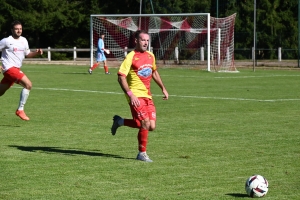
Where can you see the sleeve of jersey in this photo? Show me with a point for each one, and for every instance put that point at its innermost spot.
(27, 50)
(126, 65)
(2, 44)
(101, 45)
(154, 67)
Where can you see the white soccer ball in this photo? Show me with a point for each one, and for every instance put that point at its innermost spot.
(256, 186)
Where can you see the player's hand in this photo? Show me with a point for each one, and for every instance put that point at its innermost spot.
(134, 101)
(166, 97)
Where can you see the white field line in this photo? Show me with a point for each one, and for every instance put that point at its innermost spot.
(229, 77)
(270, 76)
(178, 96)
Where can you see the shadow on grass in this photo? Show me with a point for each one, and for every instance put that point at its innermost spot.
(10, 125)
(238, 195)
(65, 151)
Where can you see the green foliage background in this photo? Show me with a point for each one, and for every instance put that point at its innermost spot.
(65, 23)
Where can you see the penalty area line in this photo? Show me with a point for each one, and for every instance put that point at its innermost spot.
(178, 96)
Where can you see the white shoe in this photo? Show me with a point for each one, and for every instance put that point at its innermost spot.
(142, 156)
(90, 71)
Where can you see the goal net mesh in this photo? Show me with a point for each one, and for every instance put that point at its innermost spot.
(175, 40)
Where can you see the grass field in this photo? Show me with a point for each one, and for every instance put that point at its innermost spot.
(215, 131)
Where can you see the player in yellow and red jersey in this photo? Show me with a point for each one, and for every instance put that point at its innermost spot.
(134, 76)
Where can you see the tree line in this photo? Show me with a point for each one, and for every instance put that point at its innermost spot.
(66, 23)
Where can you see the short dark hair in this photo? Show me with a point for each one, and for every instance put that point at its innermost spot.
(101, 33)
(137, 33)
(16, 22)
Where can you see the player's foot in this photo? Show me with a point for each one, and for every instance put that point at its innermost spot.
(90, 71)
(22, 115)
(115, 124)
(142, 156)
(107, 73)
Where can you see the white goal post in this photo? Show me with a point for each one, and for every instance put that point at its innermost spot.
(175, 39)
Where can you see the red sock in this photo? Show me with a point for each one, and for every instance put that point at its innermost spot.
(94, 66)
(132, 123)
(142, 139)
(105, 69)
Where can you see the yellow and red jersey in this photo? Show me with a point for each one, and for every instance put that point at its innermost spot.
(137, 68)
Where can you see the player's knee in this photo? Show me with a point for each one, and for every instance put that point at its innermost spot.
(146, 124)
(152, 128)
(28, 86)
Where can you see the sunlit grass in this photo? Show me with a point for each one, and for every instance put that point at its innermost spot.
(215, 131)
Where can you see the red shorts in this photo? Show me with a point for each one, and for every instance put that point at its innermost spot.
(145, 110)
(12, 75)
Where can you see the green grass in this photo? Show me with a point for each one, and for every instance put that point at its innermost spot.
(215, 131)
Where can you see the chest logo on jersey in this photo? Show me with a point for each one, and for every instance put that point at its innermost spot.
(145, 70)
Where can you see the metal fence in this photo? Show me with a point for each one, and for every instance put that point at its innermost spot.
(239, 54)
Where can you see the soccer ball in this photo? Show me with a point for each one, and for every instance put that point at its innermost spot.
(256, 186)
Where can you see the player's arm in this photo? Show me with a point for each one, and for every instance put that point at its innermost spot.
(101, 45)
(34, 53)
(3, 44)
(158, 81)
(125, 87)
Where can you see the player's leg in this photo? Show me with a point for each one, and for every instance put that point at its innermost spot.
(6, 82)
(119, 121)
(105, 66)
(94, 66)
(26, 83)
(152, 114)
(142, 113)
(143, 140)
(98, 60)
(3, 88)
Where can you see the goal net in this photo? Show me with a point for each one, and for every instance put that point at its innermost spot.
(175, 39)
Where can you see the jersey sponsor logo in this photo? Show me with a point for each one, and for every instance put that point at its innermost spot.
(146, 72)
(136, 58)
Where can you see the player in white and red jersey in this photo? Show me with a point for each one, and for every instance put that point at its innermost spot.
(134, 76)
(14, 49)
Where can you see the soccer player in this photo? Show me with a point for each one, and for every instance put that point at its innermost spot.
(100, 55)
(14, 49)
(134, 77)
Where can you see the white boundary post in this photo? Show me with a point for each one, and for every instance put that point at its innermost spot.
(74, 54)
(49, 53)
(176, 55)
(279, 54)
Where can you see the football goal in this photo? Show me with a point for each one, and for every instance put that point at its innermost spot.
(175, 39)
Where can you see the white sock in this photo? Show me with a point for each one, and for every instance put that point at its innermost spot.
(23, 98)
